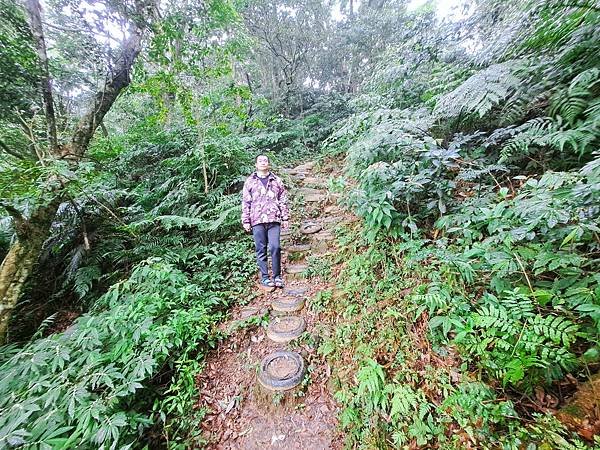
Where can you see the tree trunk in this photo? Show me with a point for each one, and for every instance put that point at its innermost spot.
(21, 259)
(33, 232)
(35, 23)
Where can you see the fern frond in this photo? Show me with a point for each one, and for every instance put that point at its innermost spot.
(481, 92)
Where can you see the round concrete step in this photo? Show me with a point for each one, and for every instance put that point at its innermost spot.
(252, 311)
(298, 248)
(323, 236)
(296, 291)
(313, 181)
(285, 328)
(281, 371)
(311, 191)
(288, 304)
(315, 198)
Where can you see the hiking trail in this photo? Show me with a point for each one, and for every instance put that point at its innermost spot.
(242, 412)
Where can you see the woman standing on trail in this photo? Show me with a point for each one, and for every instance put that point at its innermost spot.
(265, 211)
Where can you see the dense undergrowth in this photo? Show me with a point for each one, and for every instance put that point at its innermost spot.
(165, 262)
(468, 297)
(472, 292)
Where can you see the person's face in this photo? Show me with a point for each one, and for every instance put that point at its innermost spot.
(262, 163)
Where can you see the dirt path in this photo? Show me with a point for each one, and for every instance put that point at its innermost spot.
(243, 414)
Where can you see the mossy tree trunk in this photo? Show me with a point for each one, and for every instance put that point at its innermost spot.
(21, 260)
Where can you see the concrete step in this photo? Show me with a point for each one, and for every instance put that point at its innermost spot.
(284, 329)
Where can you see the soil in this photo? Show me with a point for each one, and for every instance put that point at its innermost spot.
(282, 368)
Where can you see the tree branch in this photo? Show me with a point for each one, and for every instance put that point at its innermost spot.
(11, 152)
(33, 8)
(20, 220)
(103, 100)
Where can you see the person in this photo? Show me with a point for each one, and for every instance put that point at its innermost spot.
(265, 211)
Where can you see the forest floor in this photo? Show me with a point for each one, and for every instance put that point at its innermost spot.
(242, 414)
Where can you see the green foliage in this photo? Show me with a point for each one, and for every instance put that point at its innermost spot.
(159, 320)
(479, 93)
(18, 63)
(68, 398)
(479, 191)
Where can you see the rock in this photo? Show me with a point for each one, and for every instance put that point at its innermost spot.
(311, 191)
(296, 268)
(332, 209)
(294, 271)
(298, 248)
(250, 311)
(313, 181)
(310, 227)
(323, 236)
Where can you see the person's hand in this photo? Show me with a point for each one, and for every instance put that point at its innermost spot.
(247, 227)
(285, 224)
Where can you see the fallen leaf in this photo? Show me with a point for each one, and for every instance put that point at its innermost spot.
(276, 438)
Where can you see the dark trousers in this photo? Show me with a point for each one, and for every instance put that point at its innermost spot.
(267, 234)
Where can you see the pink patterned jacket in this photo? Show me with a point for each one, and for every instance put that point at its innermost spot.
(262, 204)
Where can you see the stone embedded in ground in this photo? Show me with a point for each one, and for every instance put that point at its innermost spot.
(281, 370)
(313, 195)
(305, 167)
(332, 219)
(252, 311)
(285, 328)
(310, 227)
(298, 248)
(296, 290)
(288, 304)
(310, 191)
(320, 247)
(296, 268)
(267, 288)
(323, 236)
(332, 209)
(315, 198)
(313, 181)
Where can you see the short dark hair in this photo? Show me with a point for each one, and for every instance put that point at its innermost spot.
(258, 156)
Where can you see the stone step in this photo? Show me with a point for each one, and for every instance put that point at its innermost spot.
(252, 311)
(288, 304)
(329, 220)
(310, 227)
(298, 248)
(311, 191)
(297, 291)
(323, 236)
(284, 329)
(332, 209)
(307, 166)
(315, 198)
(314, 182)
(295, 268)
(281, 371)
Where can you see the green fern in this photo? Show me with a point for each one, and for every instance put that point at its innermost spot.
(481, 92)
